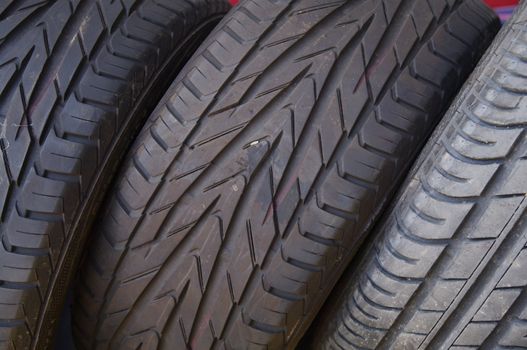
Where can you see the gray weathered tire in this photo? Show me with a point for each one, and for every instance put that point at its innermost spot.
(448, 269)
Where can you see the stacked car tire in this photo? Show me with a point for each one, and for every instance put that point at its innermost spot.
(208, 192)
(77, 80)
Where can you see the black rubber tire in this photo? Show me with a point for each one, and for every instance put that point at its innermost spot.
(448, 269)
(226, 227)
(77, 79)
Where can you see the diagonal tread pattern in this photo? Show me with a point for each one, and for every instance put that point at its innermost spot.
(253, 183)
(77, 78)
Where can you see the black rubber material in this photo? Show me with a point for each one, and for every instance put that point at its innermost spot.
(448, 269)
(265, 165)
(77, 78)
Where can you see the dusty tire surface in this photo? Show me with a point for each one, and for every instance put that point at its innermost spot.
(77, 78)
(265, 165)
(447, 270)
